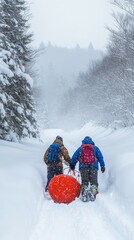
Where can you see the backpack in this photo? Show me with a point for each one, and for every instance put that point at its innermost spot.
(87, 154)
(54, 153)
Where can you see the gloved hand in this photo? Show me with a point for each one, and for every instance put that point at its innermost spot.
(72, 167)
(103, 169)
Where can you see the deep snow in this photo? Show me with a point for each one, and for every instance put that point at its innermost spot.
(25, 213)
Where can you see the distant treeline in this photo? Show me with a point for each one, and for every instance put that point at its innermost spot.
(105, 93)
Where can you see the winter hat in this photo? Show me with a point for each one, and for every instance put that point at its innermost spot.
(87, 140)
(87, 137)
(60, 138)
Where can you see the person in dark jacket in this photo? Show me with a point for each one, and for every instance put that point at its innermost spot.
(89, 172)
(53, 168)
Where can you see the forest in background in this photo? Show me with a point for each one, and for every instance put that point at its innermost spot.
(57, 70)
(100, 89)
(105, 92)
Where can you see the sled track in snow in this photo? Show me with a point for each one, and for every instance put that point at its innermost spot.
(91, 223)
(117, 217)
(97, 220)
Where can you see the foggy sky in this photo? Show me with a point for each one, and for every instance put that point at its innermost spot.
(71, 22)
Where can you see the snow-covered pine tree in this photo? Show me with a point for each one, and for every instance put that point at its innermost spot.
(17, 108)
(5, 75)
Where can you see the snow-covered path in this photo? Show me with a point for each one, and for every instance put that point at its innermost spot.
(100, 220)
(31, 216)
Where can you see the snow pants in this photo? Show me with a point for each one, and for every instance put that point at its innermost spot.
(51, 172)
(89, 175)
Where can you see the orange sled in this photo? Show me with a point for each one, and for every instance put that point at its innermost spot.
(64, 188)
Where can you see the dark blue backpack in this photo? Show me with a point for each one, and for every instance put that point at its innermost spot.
(54, 153)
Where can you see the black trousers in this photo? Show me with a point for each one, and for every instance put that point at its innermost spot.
(51, 172)
(89, 175)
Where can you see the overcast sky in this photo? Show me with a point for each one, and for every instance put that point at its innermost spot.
(71, 22)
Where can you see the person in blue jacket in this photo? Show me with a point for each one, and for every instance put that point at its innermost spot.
(88, 171)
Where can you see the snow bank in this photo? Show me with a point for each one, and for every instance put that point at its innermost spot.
(21, 184)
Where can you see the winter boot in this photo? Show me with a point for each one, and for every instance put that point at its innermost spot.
(93, 192)
(85, 194)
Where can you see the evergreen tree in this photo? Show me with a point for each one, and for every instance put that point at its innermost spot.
(17, 111)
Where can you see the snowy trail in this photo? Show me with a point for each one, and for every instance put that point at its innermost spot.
(117, 217)
(99, 220)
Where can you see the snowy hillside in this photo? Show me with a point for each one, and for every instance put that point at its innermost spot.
(27, 215)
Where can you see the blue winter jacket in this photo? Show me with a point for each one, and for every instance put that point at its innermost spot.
(98, 155)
